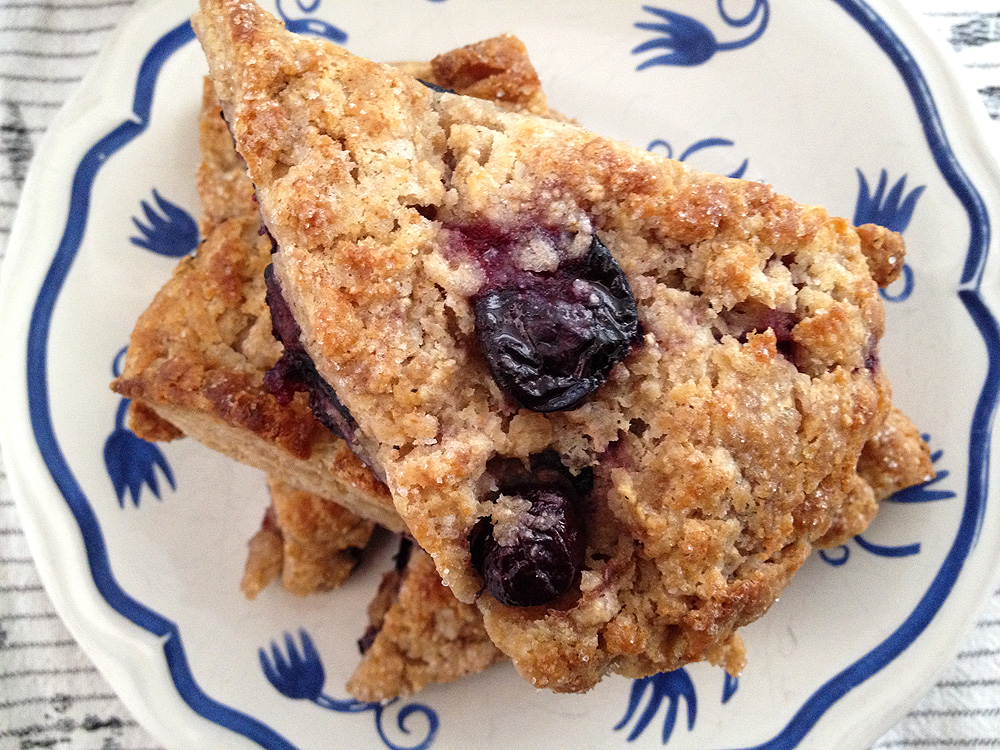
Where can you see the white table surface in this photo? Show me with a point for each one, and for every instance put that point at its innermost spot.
(51, 696)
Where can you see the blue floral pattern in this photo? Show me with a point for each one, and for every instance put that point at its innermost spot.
(299, 675)
(920, 493)
(729, 687)
(670, 687)
(666, 686)
(892, 210)
(688, 41)
(661, 145)
(131, 462)
(171, 231)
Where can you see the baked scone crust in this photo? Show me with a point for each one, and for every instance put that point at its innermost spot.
(197, 357)
(312, 543)
(422, 635)
(721, 453)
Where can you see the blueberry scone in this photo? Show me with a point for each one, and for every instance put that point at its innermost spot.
(617, 400)
(198, 356)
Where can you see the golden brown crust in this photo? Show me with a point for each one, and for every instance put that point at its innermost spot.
(149, 425)
(199, 353)
(896, 457)
(197, 358)
(496, 69)
(720, 456)
(265, 558)
(884, 250)
(320, 543)
(425, 635)
(223, 186)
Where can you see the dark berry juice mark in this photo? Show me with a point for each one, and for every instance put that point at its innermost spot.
(296, 372)
(435, 87)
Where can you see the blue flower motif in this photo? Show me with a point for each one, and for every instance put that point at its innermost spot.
(729, 687)
(892, 211)
(315, 26)
(173, 234)
(689, 41)
(694, 148)
(920, 493)
(298, 674)
(131, 462)
(669, 686)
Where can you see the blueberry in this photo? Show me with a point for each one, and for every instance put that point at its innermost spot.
(283, 324)
(436, 87)
(296, 371)
(551, 339)
(537, 554)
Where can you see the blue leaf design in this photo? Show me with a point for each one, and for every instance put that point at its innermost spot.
(172, 232)
(314, 26)
(298, 673)
(131, 462)
(689, 41)
(729, 687)
(891, 210)
(669, 686)
(922, 493)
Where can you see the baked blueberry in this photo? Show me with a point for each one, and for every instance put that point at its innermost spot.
(296, 371)
(532, 550)
(550, 339)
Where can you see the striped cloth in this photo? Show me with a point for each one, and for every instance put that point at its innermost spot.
(50, 693)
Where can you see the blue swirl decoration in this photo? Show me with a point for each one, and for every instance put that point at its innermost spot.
(314, 26)
(892, 210)
(659, 145)
(919, 493)
(687, 41)
(298, 674)
(132, 462)
(170, 231)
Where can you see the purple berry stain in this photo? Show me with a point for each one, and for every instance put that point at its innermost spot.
(296, 371)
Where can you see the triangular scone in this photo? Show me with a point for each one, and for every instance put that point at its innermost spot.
(721, 447)
(419, 634)
(312, 543)
(198, 355)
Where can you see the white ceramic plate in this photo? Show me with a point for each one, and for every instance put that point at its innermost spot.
(832, 101)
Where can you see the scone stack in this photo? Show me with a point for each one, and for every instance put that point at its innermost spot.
(615, 402)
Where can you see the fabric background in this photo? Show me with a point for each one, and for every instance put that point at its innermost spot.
(51, 696)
